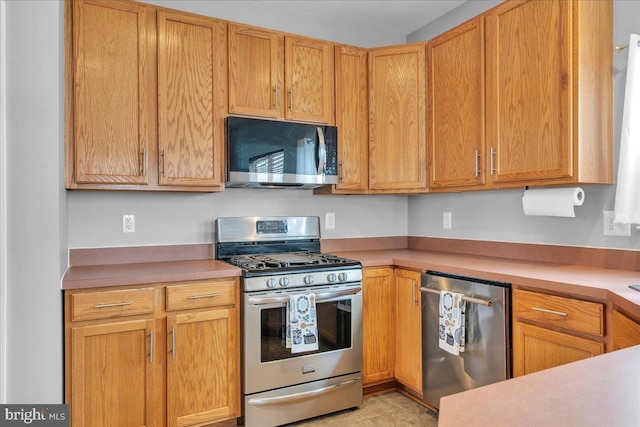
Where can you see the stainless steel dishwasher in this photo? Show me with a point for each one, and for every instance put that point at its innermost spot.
(487, 352)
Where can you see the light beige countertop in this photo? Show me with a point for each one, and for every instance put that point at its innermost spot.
(600, 391)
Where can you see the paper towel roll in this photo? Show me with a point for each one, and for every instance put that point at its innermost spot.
(552, 201)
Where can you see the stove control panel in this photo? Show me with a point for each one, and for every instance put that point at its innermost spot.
(296, 280)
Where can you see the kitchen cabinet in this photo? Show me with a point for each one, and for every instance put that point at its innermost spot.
(456, 113)
(190, 130)
(552, 330)
(162, 354)
(280, 76)
(111, 130)
(352, 120)
(549, 93)
(626, 331)
(256, 79)
(144, 98)
(114, 352)
(204, 352)
(397, 119)
(408, 357)
(378, 325)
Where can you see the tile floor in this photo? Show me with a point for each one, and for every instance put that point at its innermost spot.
(382, 410)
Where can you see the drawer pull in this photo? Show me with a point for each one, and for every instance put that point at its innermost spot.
(203, 296)
(544, 310)
(115, 304)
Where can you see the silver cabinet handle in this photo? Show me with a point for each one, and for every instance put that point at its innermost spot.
(173, 342)
(477, 163)
(294, 397)
(413, 293)
(275, 101)
(203, 296)
(544, 310)
(491, 161)
(341, 166)
(143, 169)
(290, 99)
(151, 346)
(114, 304)
(164, 162)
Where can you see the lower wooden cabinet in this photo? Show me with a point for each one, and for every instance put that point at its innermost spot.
(161, 355)
(116, 374)
(626, 331)
(408, 359)
(378, 325)
(552, 330)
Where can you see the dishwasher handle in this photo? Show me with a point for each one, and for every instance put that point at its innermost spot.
(466, 298)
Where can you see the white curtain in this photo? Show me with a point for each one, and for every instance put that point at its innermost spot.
(627, 202)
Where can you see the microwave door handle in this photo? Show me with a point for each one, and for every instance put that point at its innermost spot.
(322, 152)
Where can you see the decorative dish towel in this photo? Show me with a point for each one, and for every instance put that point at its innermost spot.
(302, 323)
(451, 324)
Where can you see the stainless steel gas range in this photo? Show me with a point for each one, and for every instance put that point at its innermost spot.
(302, 319)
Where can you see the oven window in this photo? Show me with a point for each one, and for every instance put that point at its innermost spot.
(333, 319)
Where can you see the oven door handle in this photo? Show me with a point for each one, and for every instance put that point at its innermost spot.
(296, 397)
(319, 297)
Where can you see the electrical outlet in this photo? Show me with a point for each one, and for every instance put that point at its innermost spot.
(446, 220)
(128, 223)
(611, 228)
(329, 221)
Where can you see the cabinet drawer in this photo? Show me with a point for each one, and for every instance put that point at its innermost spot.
(563, 312)
(104, 304)
(201, 294)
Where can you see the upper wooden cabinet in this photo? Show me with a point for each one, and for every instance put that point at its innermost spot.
(352, 120)
(549, 92)
(456, 113)
(397, 119)
(280, 76)
(256, 80)
(112, 93)
(190, 130)
(146, 89)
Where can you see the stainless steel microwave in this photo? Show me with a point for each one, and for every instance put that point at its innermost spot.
(278, 154)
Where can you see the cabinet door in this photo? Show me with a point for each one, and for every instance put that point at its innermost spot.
(352, 118)
(113, 93)
(535, 348)
(626, 331)
(255, 72)
(528, 91)
(378, 325)
(190, 131)
(116, 374)
(203, 378)
(309, 80)
(408, 365)
(456, 106)
(397, 118)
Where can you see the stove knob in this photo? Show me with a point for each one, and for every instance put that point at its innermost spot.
(308, 279)
(284, 281)
(343, 277)
(332, 277)
(272, 283)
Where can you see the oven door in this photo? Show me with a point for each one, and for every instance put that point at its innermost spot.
(269, 364)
